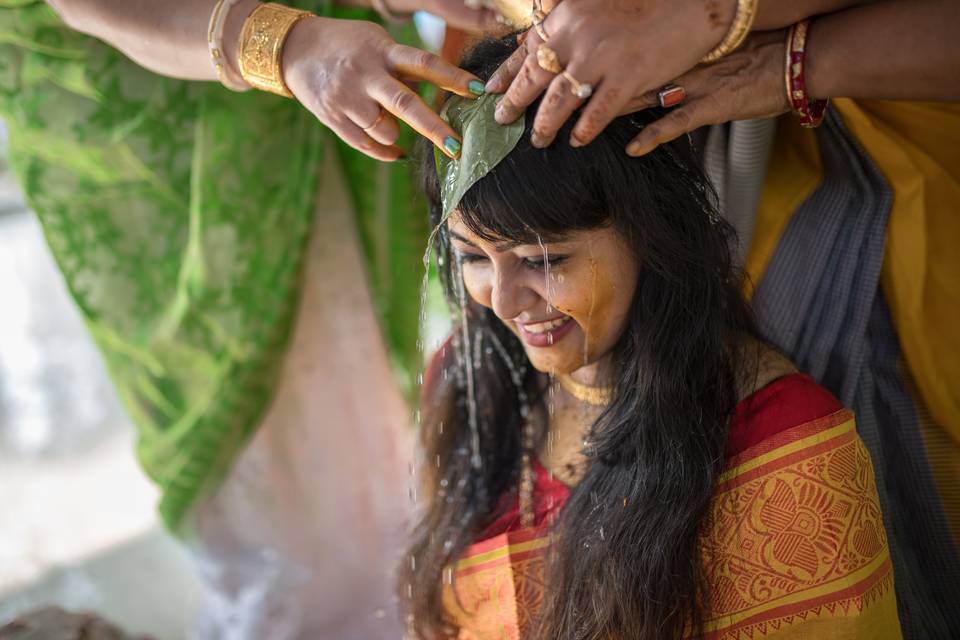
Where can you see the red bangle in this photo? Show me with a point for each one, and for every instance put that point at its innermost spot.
(810, 112)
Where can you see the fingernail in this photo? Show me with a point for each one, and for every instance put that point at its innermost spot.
(502, 115)
(538, 141)
(452, 146)
(575, 141)
(476, 87)
(635, 149)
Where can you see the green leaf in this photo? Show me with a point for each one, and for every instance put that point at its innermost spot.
(485, 144)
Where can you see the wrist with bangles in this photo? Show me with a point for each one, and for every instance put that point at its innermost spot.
(810, 112)
(260, 46)
(743, 19)
(226, 73)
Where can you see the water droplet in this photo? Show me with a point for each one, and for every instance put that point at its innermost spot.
(444, 482)
(447, 545)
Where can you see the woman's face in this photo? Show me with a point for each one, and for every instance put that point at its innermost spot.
(567, 316)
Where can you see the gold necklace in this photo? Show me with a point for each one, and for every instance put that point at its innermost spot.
(597, 396)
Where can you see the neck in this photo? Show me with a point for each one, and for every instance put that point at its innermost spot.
(592, 374)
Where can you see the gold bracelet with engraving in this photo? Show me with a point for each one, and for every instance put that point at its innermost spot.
(739, 30)
(261, 46)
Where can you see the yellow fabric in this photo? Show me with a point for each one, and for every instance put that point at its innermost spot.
(916, 146)
(793, 547)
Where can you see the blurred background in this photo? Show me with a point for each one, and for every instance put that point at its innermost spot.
(77, 522)
(78, 527)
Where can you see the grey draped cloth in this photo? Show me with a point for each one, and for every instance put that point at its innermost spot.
(820, 302)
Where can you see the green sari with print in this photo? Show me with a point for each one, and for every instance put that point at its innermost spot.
(179, 213)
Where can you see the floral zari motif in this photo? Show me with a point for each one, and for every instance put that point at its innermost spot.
(793, 547)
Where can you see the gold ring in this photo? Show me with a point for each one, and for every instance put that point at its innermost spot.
(582, 90)
(547, 59)
(537, 17)
(377, 121)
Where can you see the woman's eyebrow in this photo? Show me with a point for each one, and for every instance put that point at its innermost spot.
(503, 245)
(457, 236)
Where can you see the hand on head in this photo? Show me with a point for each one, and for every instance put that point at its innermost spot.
(356, 80)
(620, 50)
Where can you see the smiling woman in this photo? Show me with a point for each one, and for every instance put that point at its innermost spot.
(566, 299)
(613, 451)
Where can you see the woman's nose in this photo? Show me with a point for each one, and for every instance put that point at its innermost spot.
(510, 297)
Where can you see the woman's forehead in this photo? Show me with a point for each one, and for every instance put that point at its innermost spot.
(460, 230)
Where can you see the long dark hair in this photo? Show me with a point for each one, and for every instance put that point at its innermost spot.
(625, 563)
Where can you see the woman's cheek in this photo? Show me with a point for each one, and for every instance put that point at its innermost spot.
(477, 283)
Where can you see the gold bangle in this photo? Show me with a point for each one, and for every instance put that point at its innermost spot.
(261, 46)
(739, 30)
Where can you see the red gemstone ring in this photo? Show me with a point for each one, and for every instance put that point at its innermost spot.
(671, 95)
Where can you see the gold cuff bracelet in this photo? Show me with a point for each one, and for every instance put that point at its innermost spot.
(261, 46)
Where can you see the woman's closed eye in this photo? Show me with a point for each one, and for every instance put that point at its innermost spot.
(532, 262)
(468, 258)
(540, 262)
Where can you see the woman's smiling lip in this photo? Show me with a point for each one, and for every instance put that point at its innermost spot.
(545, 337)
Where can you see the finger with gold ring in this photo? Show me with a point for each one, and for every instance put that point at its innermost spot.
(384, 129)
(537, 17)
(582, 90)
(671, 95)
(375, 122)
(548, 60)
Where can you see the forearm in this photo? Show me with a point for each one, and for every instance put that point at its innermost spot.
(893, 50)
(168, 37)
(777, 14)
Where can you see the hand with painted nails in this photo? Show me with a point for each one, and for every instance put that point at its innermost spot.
(746, 84)
(618, 49)
(355, 79)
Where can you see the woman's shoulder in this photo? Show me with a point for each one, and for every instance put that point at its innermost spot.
(785, 402)
(797, 500)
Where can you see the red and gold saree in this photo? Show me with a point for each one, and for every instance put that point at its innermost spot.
(794, 544)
